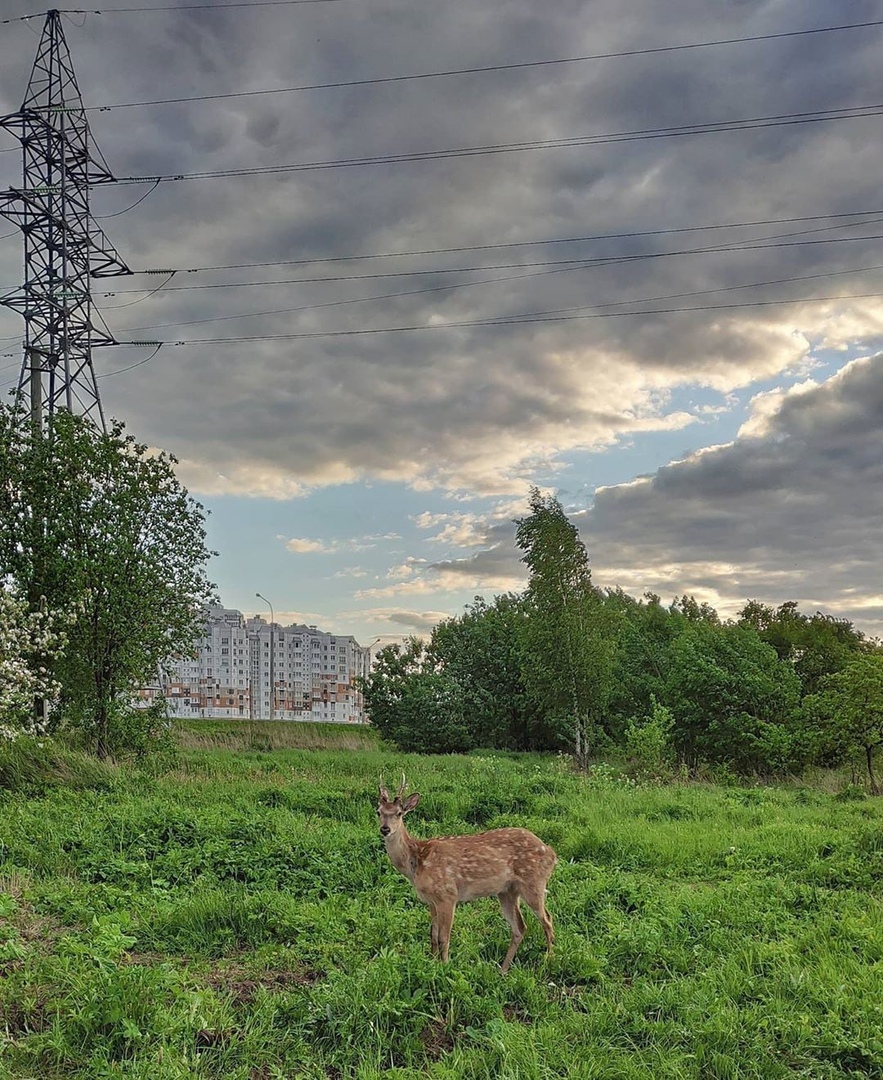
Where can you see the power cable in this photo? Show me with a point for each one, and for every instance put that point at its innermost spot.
(119, 371)
(680, 131)
(197, 7)
(515, 321)
(147, 296)
(556, 311)
(558, 265)
(519, 243)
(23, 18)
(119, 213)
(453, 72)
(193, 7)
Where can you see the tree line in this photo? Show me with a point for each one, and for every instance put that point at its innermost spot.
(564, 665)
(103, 578)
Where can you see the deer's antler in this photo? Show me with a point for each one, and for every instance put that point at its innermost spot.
(384, 794)
(401, 790)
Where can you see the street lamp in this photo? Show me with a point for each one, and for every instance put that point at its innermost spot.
(260, 596)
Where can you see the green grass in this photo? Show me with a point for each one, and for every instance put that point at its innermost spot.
(264, 735)
(238, 917)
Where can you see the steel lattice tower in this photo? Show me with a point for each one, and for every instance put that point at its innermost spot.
(63, 246)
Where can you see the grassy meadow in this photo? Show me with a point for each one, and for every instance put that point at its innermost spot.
(235, 916)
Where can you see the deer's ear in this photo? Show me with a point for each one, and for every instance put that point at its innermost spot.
(410, 802)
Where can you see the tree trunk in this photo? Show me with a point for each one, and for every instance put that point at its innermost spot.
(869, 757)
(101, 730)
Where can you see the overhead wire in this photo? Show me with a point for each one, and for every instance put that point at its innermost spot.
(557, 265)
(130, 367)
(205, 7)
(167, 7)
(303, 335)
(137, 202)
(524, 315)
(433, 289)
(147, 296)
(677, 131)
(487, 68)
(590, 238)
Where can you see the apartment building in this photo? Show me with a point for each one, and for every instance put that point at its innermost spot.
(250, 669)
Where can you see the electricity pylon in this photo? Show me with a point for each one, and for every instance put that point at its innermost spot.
(63, 245)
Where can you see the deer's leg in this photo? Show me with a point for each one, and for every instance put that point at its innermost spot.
(512, 912)
(444, 920)
(433, 930)
(535, 898)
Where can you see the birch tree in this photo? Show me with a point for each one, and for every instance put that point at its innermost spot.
(568, 646)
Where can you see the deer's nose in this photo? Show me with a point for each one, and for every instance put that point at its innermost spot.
(384, 830)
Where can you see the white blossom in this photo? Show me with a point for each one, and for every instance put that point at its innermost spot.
(26, 637)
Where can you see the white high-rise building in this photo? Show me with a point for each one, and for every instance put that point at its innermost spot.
(249, 669)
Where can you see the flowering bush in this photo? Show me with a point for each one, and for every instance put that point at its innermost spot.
(27, 638)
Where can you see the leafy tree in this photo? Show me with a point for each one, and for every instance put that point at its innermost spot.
(816, 645)
(733, 700)
(412, 704)
(567, 633)
(694, 612)
(94, 522)
(482, 651)
(850, 705)
(646, 633)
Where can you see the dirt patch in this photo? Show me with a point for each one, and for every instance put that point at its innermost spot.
(242, 986)
(516, 1014)
(437, 1039)
(30, 929)
(210, 1040)
(24, 1018)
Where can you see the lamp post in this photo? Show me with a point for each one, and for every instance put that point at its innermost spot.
(260, 596)
(367, 664)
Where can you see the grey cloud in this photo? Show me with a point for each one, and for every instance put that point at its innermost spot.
(794, 513)
(415, 621)
(493, 400)
(499, 559)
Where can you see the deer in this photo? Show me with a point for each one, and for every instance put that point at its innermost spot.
(510, 864)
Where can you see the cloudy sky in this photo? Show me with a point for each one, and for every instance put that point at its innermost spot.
(637, 261)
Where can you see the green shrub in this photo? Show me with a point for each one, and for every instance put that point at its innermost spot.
(648, 740)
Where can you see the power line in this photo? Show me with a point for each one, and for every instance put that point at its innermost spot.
(23, 18)
(522, 315)
(179, 7)
(130, 367)
(515, 321)
(453, 72)
(560, 265)
(679, 131)
(204, 7)
(591, 238)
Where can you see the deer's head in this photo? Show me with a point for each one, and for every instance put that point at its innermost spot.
(391, 812)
